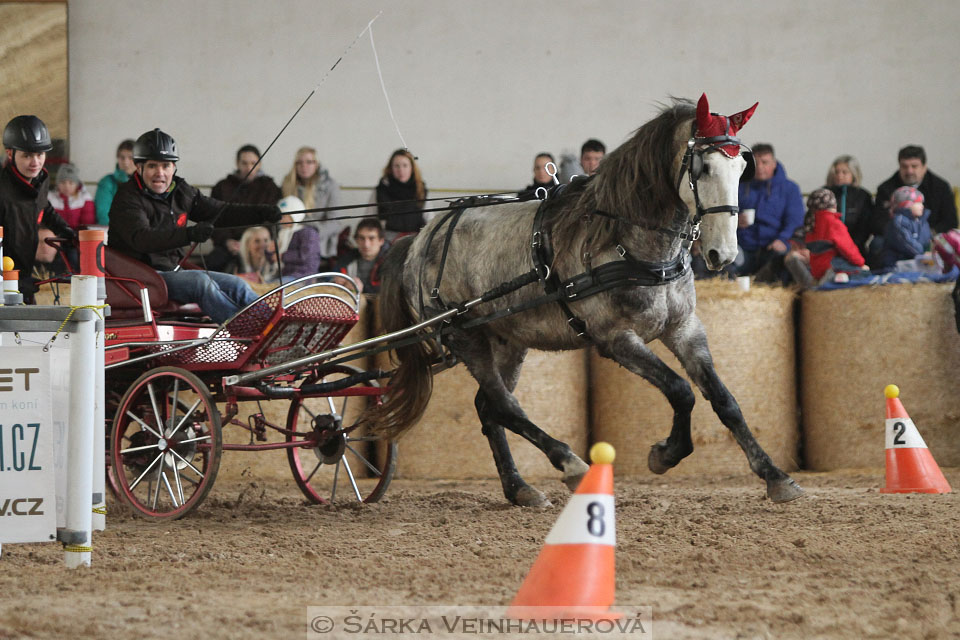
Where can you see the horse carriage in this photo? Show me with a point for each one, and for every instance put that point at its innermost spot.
(461, 290)
(167, 406)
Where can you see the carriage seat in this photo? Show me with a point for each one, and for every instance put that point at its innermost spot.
(123, 296)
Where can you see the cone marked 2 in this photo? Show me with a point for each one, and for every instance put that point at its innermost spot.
(573, 577)
(910, 465)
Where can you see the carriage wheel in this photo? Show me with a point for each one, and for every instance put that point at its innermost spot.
(165, 443)
(334, 465)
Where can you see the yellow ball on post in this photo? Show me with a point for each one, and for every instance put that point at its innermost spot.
(602, 453)
(8, 263)
(891, 391)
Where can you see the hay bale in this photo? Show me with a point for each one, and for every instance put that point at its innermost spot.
(751, 337)
(853, 343)
(447, 442)
(245, 465)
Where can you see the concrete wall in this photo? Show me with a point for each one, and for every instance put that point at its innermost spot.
(479, 87)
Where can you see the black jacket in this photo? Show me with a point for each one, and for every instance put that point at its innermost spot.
(856, 209)
(153, 228)
(23, 208)
(937, 196)
(261, 190)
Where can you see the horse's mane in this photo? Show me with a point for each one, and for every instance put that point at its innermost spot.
(635, 181)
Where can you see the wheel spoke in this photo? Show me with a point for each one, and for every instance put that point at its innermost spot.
(336, 474)
(319, 464)
(133, 485)
(144, 425)
(153, 403)
(170, 491)
(183, 420)
(156, 495)
(363, 439)
(364, 461)
(353, 482)
(173, 403)
(197, 439)
(176, 476)
(143, 448)
(186, 462)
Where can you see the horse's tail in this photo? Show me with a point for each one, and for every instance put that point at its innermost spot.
(412, 381)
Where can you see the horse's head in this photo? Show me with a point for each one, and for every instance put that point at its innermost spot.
(713, 165)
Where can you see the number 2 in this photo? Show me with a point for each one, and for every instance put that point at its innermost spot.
(898, 429)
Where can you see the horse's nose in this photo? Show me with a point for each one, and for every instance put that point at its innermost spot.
(713, 259)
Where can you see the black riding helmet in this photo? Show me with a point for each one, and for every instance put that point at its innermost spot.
(27, 133)
(155, 145)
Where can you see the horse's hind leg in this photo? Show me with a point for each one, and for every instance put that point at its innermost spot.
(689, 343)
(628, 349)
(515, 489)
(497, 368)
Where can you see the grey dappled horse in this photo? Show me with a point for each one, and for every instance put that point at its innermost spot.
(643, 204)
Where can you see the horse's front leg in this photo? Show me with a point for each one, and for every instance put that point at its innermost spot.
(688, 341)
(627, 349)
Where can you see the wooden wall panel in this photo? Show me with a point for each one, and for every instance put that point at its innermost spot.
(33, 63)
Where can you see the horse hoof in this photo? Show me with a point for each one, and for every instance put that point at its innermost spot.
(656, 461)
(573, 472)
(783, 490)
(530, 497)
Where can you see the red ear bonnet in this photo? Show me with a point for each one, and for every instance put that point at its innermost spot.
(710, 125)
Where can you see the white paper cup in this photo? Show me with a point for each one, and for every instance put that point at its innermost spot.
(749, 215)
(744, 283)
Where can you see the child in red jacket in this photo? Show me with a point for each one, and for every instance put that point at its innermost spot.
(832, 251)
(71, 200)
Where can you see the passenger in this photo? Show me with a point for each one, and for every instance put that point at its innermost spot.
(24, 206)
(108, 185)
(149, 223)
(400, 196)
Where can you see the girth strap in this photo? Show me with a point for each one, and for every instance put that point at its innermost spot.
(618, 273)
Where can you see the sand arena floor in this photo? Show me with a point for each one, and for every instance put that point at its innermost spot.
(711, 555)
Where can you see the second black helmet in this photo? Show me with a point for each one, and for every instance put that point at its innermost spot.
(155, 145)
(27, 133)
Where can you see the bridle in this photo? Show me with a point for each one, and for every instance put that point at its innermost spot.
(692, 166)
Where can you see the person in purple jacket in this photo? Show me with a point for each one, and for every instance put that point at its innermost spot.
(297, 244)
(777, 212)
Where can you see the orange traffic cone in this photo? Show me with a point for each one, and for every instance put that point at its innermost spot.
(573, 577)
(910, 465)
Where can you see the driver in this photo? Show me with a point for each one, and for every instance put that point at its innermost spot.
(148, 221)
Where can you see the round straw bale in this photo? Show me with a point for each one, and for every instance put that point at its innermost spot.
(853, 343)
(273, 464)
(751, 337)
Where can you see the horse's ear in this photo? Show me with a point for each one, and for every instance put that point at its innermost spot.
(737, 120)
(703, 112)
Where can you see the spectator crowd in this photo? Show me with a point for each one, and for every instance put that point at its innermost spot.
(253, 229)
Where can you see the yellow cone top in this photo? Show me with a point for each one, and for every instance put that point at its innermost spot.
(7, 263)
(891, 391)
(602, 453)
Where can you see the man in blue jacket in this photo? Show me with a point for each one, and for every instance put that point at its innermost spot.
(777, 212)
